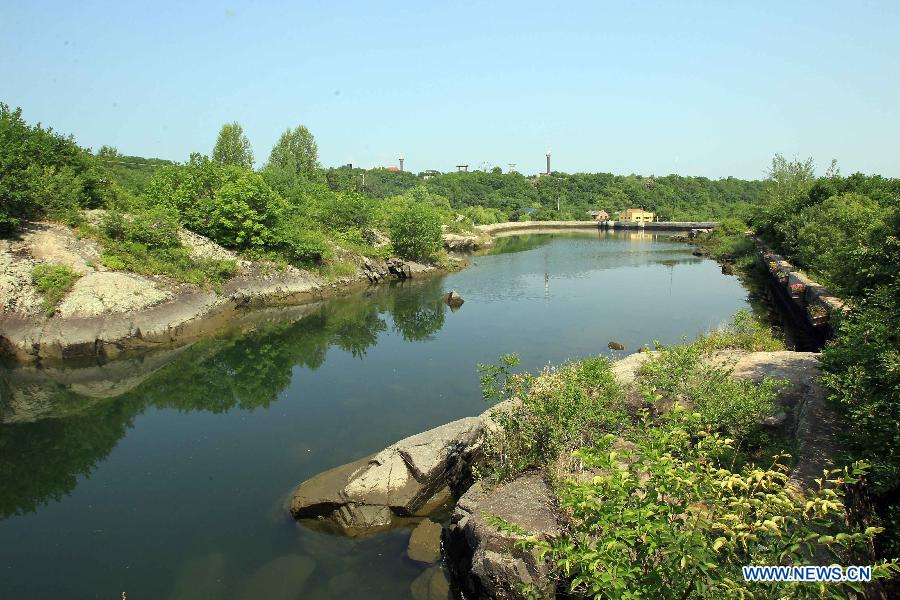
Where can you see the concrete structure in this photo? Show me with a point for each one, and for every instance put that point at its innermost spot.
(599, 215)
(636, 215)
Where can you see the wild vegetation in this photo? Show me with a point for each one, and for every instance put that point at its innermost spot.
(53, 281)
(845, 232)
(284, 212)
(672, 495)
(492, 196)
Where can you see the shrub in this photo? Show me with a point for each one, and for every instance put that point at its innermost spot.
(669, 519)
(44, 174)
(415, 231)
(245, 213)
(556, 412)
(176, 262)
(53, 281)
(302, 245)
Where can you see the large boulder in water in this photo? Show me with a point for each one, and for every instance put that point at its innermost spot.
(486, 562)
(368, 494)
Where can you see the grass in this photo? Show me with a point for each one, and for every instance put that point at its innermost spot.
(176, 263)
(53, 281)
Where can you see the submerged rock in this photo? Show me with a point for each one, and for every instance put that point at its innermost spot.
(615, 346)
(432, 584)
(453, 299)
(283, 577)
(425, 542)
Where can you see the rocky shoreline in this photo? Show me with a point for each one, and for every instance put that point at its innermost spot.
(111, 313)
(417, 474)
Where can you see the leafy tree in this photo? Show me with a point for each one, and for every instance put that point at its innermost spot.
(232, 147)
(416, 231)
(245, 212)
(297, 152)
(43, 174)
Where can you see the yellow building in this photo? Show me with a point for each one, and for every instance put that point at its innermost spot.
(636, 215)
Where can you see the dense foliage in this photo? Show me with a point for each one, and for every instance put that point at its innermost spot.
(44, 174)
(845, 232)
(232, 147)
(673, 197)
(668, 496)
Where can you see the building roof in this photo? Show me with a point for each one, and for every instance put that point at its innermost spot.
(634, 211)
(528, 210)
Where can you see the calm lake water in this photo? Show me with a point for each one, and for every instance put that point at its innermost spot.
(166, 478)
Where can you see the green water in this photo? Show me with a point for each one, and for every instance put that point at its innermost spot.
(165, 477)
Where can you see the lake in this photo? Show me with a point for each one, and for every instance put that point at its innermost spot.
(166, 476)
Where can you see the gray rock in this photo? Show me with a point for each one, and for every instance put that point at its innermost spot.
(487, 562)
(396, 482)
(425, 542)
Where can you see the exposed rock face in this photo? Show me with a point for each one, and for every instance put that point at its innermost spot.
(107, 312)
(98, 293)
(490, 565)
(396, 482)
(377, 271)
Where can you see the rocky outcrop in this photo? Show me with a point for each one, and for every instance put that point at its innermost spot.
(107, 313)
(487, 563)
(469, 242)
(378, 491)
(370, 494)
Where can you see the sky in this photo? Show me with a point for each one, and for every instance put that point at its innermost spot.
(694, 88)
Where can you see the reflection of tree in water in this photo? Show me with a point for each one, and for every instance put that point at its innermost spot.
(520, 243)
(42, 459)
(416, 319)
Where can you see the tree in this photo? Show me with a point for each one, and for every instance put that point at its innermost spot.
(232, 147)
(296, 150)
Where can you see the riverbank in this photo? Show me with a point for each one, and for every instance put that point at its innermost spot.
(510, 471)
(109, 313)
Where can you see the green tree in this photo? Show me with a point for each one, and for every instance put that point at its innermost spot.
(232, 147)
(296, 151)
(245, 212)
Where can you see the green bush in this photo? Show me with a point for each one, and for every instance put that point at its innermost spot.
(302, 245)
(53, 281)
(415, 231)
(176, 262)
(44, 174)
(245, 213)
(554, 413)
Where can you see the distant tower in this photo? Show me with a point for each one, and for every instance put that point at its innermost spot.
(462, 168)
(512, 167)
(401, 162)
(548, 162)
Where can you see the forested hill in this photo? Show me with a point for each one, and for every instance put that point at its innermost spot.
(673, 197)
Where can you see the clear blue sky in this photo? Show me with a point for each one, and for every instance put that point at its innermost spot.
(707, 88)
